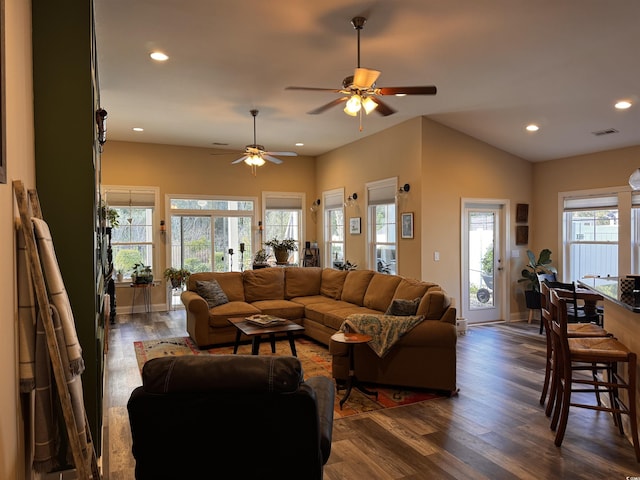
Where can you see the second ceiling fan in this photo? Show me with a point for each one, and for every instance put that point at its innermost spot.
(360, 91)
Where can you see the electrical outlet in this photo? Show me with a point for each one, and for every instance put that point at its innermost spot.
(436, 256)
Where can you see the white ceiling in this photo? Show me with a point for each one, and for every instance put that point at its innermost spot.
(498, 65)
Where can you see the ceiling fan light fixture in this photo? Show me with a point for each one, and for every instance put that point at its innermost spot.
(634, 179)
(369, 105)
(353, 105)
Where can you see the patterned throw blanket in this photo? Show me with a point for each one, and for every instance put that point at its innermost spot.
(386, 330)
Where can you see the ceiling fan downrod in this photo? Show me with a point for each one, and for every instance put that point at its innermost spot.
(358, 23)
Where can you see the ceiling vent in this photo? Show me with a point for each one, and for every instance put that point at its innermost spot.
(607, 131)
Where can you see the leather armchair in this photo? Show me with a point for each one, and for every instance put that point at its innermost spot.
(230, 416)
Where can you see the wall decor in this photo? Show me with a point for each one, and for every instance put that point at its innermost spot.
(3, 118)
(522, 212)
(522, 234)
(407, 225)
(354, 226)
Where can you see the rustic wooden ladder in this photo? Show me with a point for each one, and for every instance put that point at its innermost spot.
(86, 464)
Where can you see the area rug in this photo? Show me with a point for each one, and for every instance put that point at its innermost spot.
(315, 359)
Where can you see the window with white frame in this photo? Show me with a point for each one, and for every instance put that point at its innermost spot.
(132, 239)
(383, 227)
(334, 227)
(283, 219)
(591, 227)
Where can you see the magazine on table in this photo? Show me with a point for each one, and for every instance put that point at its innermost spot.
(265, 320)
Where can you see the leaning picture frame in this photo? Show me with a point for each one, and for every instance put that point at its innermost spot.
(354, 226)
(407, 225)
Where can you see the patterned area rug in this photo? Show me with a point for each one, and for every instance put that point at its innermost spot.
(315, 359)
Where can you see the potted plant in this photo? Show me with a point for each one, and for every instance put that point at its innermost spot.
(109, 215)
(177, 277)
(282, 249)
(536, 266)
(141, 274)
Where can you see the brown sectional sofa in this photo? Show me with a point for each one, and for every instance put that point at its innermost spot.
(321, 300)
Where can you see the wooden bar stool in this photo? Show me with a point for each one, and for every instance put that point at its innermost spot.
(573, 330)
(603, 352)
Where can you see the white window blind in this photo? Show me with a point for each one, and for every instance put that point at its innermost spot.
(135, 198)
(382, 193)
(283, 202)
(333, 199)
(572, 204)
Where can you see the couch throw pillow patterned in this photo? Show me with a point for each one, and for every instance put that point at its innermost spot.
(402, 307)
(212, 292)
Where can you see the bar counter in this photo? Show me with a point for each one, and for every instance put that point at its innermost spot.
(622, 319)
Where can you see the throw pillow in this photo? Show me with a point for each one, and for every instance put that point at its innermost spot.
(212, 292)
(403, 308)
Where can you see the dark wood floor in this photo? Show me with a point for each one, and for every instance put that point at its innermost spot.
(494, 429)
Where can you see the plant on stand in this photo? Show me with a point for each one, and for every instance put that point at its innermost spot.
(176, 277)
(536, 266)
(282, 249)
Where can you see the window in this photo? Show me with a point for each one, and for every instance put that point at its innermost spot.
(381, 204)
(591, 236)
(132, 240)
(334, 226)
(283, 219)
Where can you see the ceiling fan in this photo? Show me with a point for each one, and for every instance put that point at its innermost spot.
(360, 90)
(255, 155)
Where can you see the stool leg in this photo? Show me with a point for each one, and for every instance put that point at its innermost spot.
(632, 403)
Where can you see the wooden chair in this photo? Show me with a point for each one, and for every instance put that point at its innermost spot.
(573, 330)
(573, 354)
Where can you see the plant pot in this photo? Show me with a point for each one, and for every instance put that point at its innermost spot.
(282, 256)
(532, 299)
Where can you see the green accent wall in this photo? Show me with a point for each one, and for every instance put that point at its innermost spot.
(65, 101)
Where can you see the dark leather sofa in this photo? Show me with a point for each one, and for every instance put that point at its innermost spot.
(230, 416)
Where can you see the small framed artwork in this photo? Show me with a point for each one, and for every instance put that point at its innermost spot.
(407, 225)
(354, 226)
(522, 212)
(522, 234)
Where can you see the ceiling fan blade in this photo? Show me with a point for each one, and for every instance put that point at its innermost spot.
(282, 154)
(240, 160)
(383, 109)
(315, 89)
(327, 106)
(426, 90)
(275, 160)
(363, 77)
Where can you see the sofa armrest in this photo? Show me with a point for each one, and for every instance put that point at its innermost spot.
(194, 303)
(197, 311)
(325, 398)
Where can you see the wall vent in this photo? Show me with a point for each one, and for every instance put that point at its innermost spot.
(607, 131)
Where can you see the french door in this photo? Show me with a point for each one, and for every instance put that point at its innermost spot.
(483, 277)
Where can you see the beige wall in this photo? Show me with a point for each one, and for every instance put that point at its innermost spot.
(194, 171)
(597, 170)
(20, 166)
(394, 152)
(456, 166)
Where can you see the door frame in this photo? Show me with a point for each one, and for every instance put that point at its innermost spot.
(504, 279)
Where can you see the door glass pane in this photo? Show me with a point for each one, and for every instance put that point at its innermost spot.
(481, 259)
(229, 233)
(191, 243)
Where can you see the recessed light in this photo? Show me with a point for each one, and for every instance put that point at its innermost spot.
(299, 144)
(622, 104)
(159, 56)
(532, 127)
(138, 129)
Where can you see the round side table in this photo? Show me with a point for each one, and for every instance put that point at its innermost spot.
(351, 339)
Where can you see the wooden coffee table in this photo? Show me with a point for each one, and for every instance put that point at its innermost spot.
(255, 332)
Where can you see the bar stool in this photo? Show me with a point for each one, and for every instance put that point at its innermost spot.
(603, 352)
(573, 330)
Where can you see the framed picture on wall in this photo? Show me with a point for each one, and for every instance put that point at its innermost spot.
(522, 212)
(407, 225)
(522, 234)
(354, 226)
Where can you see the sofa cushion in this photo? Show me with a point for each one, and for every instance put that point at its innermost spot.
(317, 311)
(335, 318)
(302, 281)
(231, 283)
(280, 308)
(402, 307)
(409, 288)
(355, 286)
(212, 292)
(332, 282)
(218, 316)
(263, 284)
(434, 304)
(380, 291)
